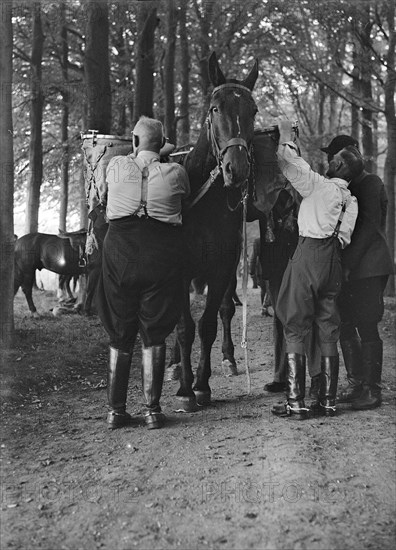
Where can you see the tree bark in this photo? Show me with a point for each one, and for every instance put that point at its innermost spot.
(7, 182)
(184, 126)
(366, 89)
(64, 186)
(169, 71)
(390, 115)
(36, 121)
(144, 86)
(97, 67)
(205, 18)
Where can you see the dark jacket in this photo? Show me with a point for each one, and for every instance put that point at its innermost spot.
(368, 254)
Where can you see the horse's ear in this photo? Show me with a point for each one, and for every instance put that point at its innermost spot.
(250, 81)
(215, 74)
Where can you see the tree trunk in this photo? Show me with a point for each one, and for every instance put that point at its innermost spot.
(355, 123)
(96, 66)
(320, 122)
(169, 71)
(7, 182)
(36, 121)
(390, 161)
(144, 86)
(366, 89)
(205, 19)
(184, 127)
(64, 185)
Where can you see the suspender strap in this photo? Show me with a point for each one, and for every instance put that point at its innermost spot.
(337, 227)
(143, 193)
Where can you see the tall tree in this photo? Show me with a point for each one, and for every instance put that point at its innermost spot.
(144, 83)
(6, 181)
(96, 65)
(36, 123)
(390, 114)
(184, 126)
(169, 70)
(64, 60)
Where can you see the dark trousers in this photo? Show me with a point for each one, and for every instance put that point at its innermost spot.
(308, 294)
(361, 304)
(140, 287)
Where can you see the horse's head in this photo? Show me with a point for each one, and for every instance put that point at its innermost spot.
(230, 122)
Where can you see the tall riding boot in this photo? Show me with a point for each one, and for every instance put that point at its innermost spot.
(295, 389)
(314, 390)
(352, 353)
(328, 386)
(117, 388)
(153, 369)
(372, 370)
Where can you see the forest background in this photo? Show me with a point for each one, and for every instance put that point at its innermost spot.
(71, 66)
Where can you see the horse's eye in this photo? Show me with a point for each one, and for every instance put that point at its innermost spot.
(215, 110)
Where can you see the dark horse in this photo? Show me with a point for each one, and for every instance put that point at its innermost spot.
(62, 254)
(212, 222)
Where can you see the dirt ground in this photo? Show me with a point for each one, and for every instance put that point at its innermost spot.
(231, 476)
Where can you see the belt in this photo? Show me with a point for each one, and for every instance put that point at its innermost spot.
(141, 218)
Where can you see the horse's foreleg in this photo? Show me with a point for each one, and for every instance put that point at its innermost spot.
(173, 368)
(227, 311)
(207, 329)
(185, 337)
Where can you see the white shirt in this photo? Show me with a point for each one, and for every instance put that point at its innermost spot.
(167, 185)
(322, 198)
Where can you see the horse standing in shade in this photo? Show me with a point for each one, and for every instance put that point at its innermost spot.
(212, 223)
(62, 254)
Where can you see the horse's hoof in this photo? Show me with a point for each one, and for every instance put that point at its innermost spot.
(35, 315)
(173, 373)
(203, 397)
(229, 369)
(186, 404)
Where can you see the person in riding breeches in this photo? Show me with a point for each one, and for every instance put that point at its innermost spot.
(367, 264)
(312, 280)
(140, 287)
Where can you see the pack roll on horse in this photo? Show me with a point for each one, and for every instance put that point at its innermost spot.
(63, 254)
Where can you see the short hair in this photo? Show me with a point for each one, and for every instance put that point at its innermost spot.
(353, 160)
(149, 129)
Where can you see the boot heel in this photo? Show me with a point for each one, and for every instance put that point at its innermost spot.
(154, 420)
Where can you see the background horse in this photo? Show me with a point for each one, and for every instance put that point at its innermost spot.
(218, 169)
(60, 254)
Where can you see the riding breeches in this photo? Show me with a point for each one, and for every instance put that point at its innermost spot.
(140, 287)
(308, 293)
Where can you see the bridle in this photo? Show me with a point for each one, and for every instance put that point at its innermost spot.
(234, 141)
(219, 153)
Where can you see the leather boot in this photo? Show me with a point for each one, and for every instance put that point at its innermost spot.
(372, 370)
(314, 390)
(153, 369)
(117, 388)
(352, 353)
(295, 389)
(328, 386)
